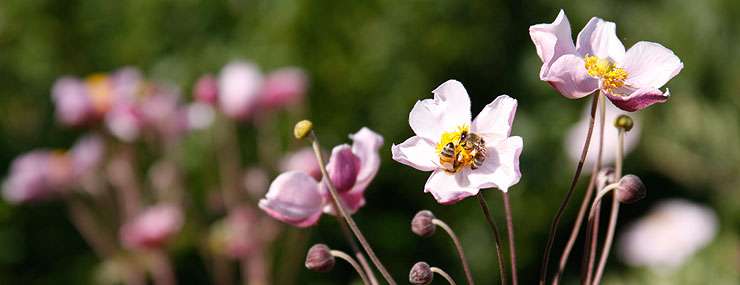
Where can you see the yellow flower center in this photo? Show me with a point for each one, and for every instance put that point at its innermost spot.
(99, 88)
(611, 76)
(460, 156)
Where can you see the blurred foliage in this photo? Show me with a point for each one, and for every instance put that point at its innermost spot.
(369, 61)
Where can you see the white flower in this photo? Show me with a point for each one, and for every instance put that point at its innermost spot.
(444, 123)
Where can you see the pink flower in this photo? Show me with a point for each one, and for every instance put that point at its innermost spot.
(151, 228)
(73, 104)
(669, 235)
(125, 122)
(297, 198)
(206, 90)
(303, 160)
(463, 156)
(87, 154)
(575, 135)
(37, 176)
(239, 88)
(598, 61)
(283, 88)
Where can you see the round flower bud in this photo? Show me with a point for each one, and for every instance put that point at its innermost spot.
(421, 274)
(631, 189)
(302, 129)
(319, 258)
(624, 122)
(422, 224)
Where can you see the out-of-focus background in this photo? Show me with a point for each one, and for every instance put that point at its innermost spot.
(368, 62)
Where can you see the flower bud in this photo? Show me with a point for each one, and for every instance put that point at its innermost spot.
(631, 189)
(302, 129)
(319, 258)
(422, 224)
(624, 122)
(421, 274)
(206, 90)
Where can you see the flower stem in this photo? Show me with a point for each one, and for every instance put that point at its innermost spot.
(458, 246)
(354, 264)
(343, 212)
(586, 198)
(512, 244)
(496, 236)
(443, 274)
(614, 212)
(356, 250)
(564, 203)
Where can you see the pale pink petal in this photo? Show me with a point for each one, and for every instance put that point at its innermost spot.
(449, 188)
(630, 99)
(152, 228)
(284, 87)
(343, 168)
(552, 40)
(495, 120)
(72, 103)
(87, 155)
(239, 88)
(501, 167)
(599, 38)
(365, 145)
(416, 152)
(302, 160)
(576, 136)
(650, 65)
(569, 76)
(449, 110)
(293, 198)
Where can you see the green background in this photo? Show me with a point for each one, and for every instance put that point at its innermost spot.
(368, 63)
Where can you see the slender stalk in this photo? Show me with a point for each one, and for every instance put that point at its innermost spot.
(254, 268)
(512, 244)
(458, 247)
(443, 274)
(592, 240)
(586, 198)
(343, 212)
(161, 268)
(564, 203)
(356, 250)
(614, 212)
(354, 264)
(496, 236)
(89, 229)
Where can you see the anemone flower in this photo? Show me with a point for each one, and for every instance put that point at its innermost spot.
(298, 198)
(463, 156)
(152, 228)
(598, 61)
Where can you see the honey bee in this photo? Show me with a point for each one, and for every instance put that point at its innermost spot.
(475, 145)
(447, 157)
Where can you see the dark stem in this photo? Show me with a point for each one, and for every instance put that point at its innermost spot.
(348, 218)
(512, 244)
(496, 236)
(586, 198)
(356, 250)
(458, 247)
(564, 203)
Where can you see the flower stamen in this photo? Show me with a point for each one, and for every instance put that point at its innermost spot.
(459, 149)
(612, 77)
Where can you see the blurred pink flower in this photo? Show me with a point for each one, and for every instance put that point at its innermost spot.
(152, 228)
(125, 122)
(239, 86)
(574, 139)
(206, 90)
(303, 160)
(37, 176)
(297, 198)
(242, 235)
(283, 88)
(440, 123)
(598, 61)
(669, 235)
(87, 155)
(72, 102)
(199, 116)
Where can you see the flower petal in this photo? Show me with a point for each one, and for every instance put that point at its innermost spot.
(552, 40)
(449, 188)
(495, 120)
(449, 109)
(650, 65)
(637, 99)
(239, 85)
(569, 76)
(343, 168)
(293, 198)
(416, 152)
(501, 167)
(365, 145)
(599, 38)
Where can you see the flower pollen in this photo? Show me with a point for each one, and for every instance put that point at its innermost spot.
(453, 161)
(612, 77)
